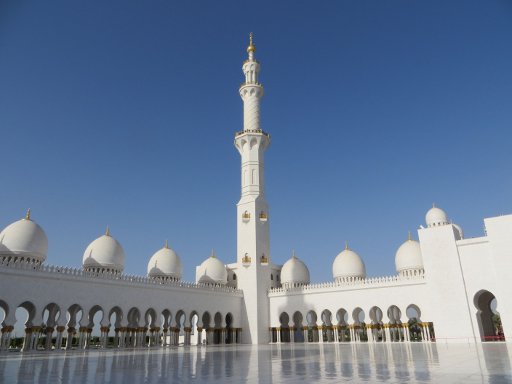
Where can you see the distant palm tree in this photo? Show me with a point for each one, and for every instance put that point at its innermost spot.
(498, 327)
(414, 329)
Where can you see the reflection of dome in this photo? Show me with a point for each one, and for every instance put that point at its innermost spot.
(436, 216)
(165, 263)
(24, 239)
(294, 272)
(104, 254)
(348, 266)
(212, 271)
(408, 257)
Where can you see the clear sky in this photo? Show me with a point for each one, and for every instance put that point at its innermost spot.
(123, 113)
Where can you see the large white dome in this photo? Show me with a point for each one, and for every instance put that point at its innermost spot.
(294, 272)
(348, 265)
(408, 256)
(212, 271)
(165, 263)
(104, 254)
(24, 239)
(436, 216)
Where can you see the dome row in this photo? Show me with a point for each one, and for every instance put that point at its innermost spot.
(26, 240)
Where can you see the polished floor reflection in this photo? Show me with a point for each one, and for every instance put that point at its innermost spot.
(388, 363)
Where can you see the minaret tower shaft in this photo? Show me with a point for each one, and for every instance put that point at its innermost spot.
(253, 246)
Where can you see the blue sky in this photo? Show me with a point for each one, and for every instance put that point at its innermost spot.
(122, 113)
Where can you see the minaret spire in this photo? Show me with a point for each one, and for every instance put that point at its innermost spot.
(251, 48)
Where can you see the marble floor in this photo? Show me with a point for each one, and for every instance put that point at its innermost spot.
(288, 363)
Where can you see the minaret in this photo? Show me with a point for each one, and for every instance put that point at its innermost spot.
(253, 248)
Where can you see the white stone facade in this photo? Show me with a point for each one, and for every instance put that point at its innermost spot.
(443, 290)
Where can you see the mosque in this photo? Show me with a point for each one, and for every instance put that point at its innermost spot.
(447, 288)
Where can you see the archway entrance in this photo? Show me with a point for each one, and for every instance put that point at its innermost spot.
(487, 316)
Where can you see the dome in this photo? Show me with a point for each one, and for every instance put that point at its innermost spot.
(165, 263)
(408, 256)
(348, 264)
(436, 216)
(212, 271)
(104, 253)
(294, 272)
(24, 239)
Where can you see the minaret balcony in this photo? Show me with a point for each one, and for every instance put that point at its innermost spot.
(246, 260)
(261, 131)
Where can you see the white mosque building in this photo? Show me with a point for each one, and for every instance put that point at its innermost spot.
(445, 288)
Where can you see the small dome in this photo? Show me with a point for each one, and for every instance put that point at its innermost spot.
(212, 271)
(24, 238)
(408, 256)
(294, 272)
(436, 216)
(348, 264)
(165, 263)
(104, 253)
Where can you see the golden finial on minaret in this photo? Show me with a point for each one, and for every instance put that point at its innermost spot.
(251, 47)
(107, 231)
(27, 216)
(166, 246)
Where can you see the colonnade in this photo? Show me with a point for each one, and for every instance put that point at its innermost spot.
(48, 338)
(350, 333)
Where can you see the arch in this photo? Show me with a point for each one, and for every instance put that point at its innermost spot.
(150, 318)
(206, 319)
(377, 326)
(326, 317)
(360, 332)
(180, 319)
(284, 319)
(488, 318)
(284, 329)
(298, 334)
(133, 317)
(115, 316)
(166, 319)
(5, 308)
(50, 315)
(343, 327)
(217, 332)
(311, 318)
(96, 309)
(395, 323)
(394, 314)
(217, 319)
(414, 323)
(312, 332)
(31, 310)
(194, 325)
(327, 328)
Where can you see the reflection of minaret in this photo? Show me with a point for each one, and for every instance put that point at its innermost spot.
(253, 248)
